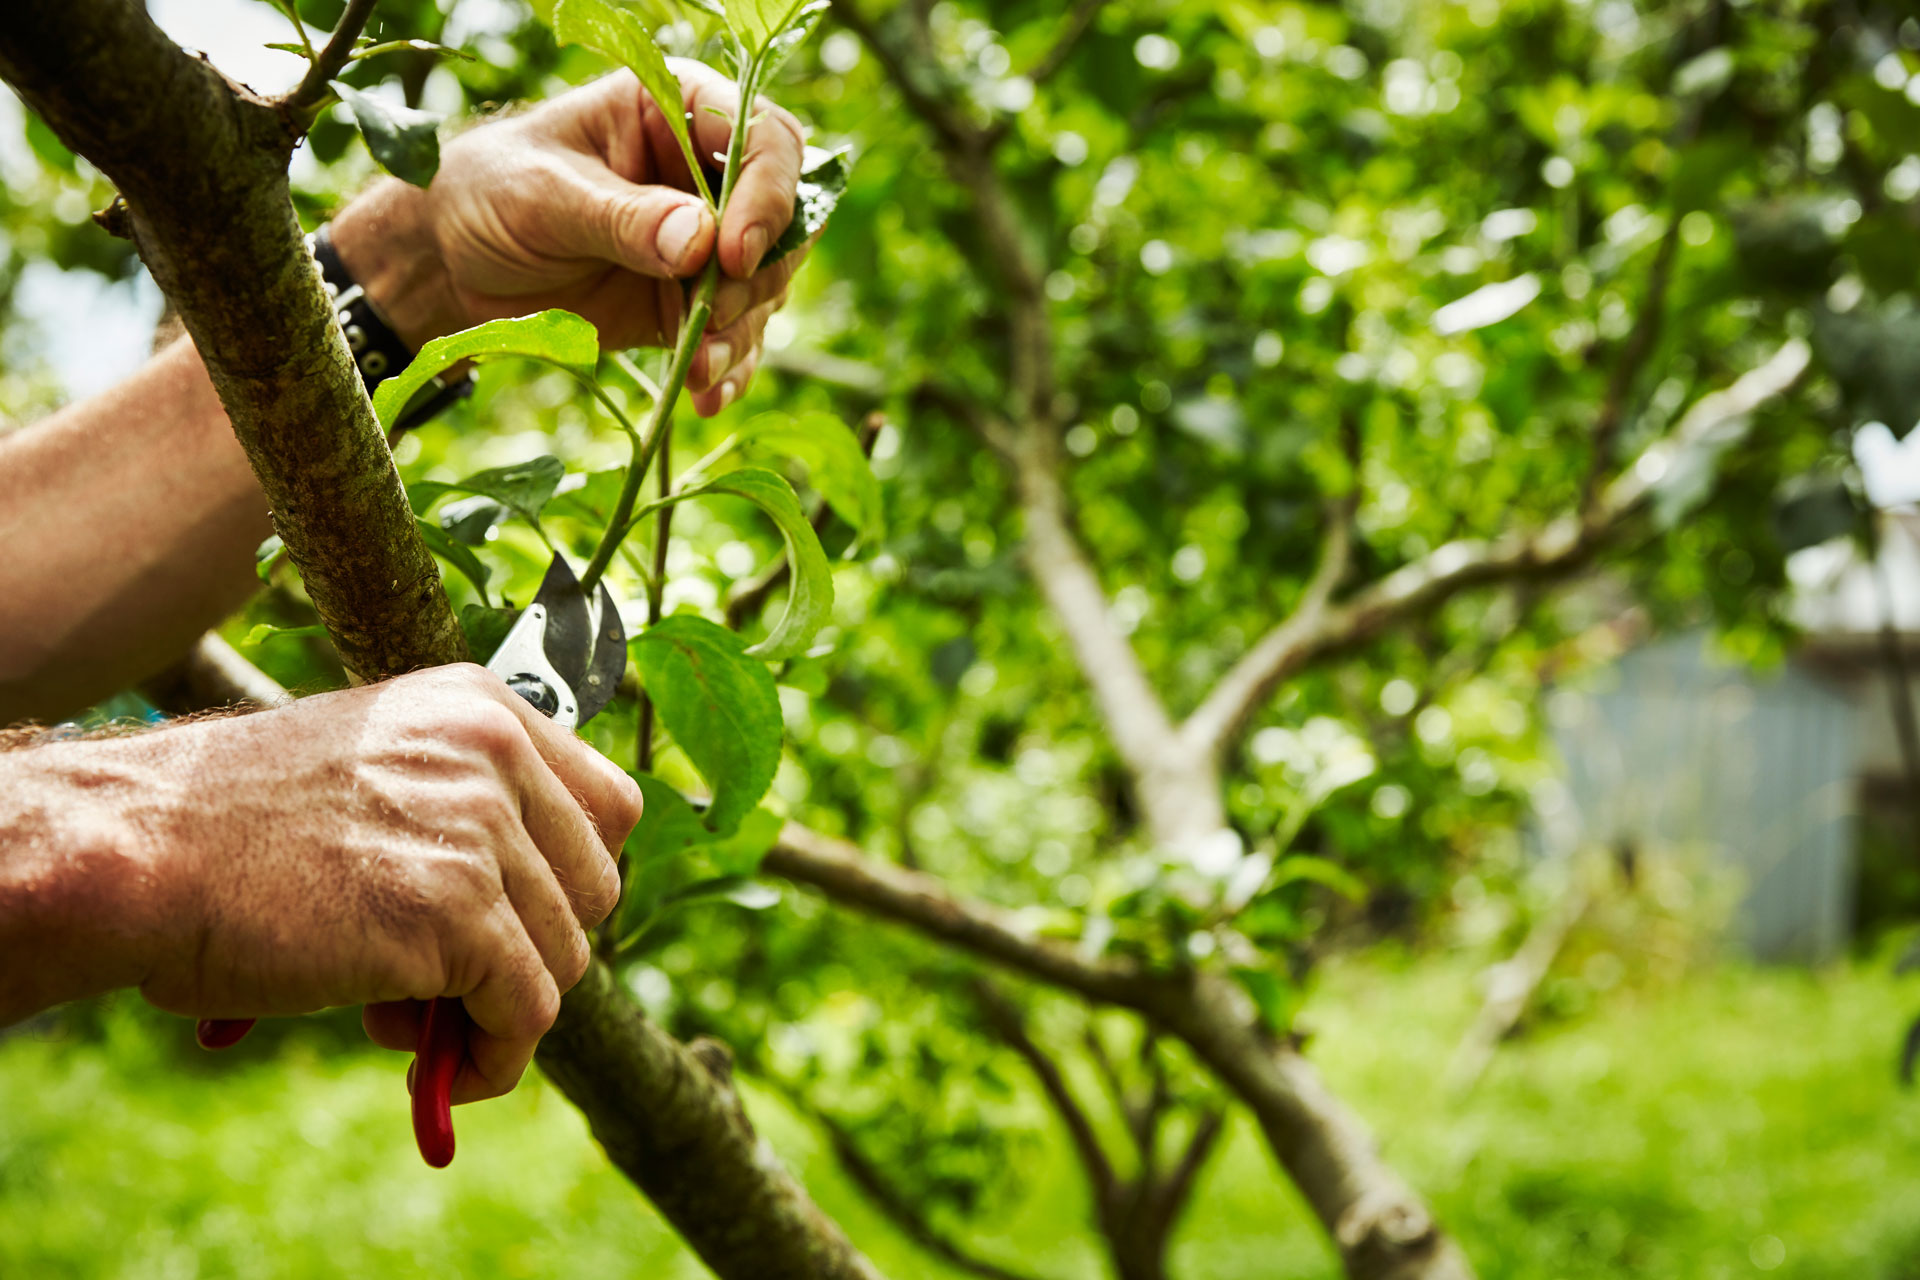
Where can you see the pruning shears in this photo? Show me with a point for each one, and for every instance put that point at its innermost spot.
(564, 655)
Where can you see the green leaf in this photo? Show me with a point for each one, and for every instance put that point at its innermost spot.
(591, 495)
(267, 556)
(1874, 354)
(720, 706)
(1276, 999)
(470, 521)
(405, 142)
(1304, 866)
(460, 557)
(810, 597)
(485, 627)
(836, 467)
(262, 632)
(823, 180)
(742, 852)
(798, 24)
(288, 46)
(618, 35)
(1814, 509)
(556, 337)
(523, 488)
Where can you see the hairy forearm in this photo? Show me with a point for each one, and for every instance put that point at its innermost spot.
(130, 520)
(132, 517)
(80, 903)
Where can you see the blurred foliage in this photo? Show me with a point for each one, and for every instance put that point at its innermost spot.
(1395, 250)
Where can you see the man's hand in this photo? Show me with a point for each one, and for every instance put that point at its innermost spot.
(429, 836)
(586, 203)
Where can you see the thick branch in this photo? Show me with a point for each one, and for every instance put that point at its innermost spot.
(1382, 1229)
(201, 163)
(677, 1129)
(1556, 550)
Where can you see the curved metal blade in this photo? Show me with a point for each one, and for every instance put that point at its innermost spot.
(568, 638)
(609, 660)
(584, 640)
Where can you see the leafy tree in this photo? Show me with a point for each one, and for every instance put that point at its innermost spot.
(1248, 383)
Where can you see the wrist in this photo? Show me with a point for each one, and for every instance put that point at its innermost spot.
(90, 901)
(386, 241)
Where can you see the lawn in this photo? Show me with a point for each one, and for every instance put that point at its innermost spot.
(1745, 1122)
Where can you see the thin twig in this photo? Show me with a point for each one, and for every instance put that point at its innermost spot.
(1634, 353)
(1075, 28)
(312, 89)
(1004, 1019)
(884, 1192)
(1171, 1195)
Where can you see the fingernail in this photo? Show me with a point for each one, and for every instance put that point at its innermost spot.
(674, 240)
(753, 246)
(727, 392)
(719, 359)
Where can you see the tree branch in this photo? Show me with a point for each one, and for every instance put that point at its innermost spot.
(213, 674)
(1004, 1019)
(886, 1196)
(312, 89)
(1075, 29)
(669, 1118)
(202, 164)
(954, 129)
(1555, 550)
(1382, 1229)
(1633, 357)
(1170, 1196)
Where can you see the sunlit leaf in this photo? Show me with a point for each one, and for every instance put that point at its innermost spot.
(619, 35)
(267, 557)
(556, 337)
(836, 467)
(719, 704)
(810, 596)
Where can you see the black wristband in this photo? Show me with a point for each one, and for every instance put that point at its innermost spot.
(378, 352)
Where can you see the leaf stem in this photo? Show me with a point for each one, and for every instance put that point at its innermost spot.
(648, 441)
(293, 16)
(653, 436)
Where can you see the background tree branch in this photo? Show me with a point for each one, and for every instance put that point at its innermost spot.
(1382, 1229)
(1555, 550)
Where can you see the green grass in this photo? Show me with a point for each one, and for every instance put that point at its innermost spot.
(1743, 1124)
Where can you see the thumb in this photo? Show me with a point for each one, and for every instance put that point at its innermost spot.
(645, 228)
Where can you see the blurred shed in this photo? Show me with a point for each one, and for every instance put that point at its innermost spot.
(1678, 749)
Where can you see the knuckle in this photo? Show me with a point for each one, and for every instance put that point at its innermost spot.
(539, 1006)
(573, 966)
(597, 902)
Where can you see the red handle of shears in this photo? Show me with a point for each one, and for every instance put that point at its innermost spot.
(437, 1057)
